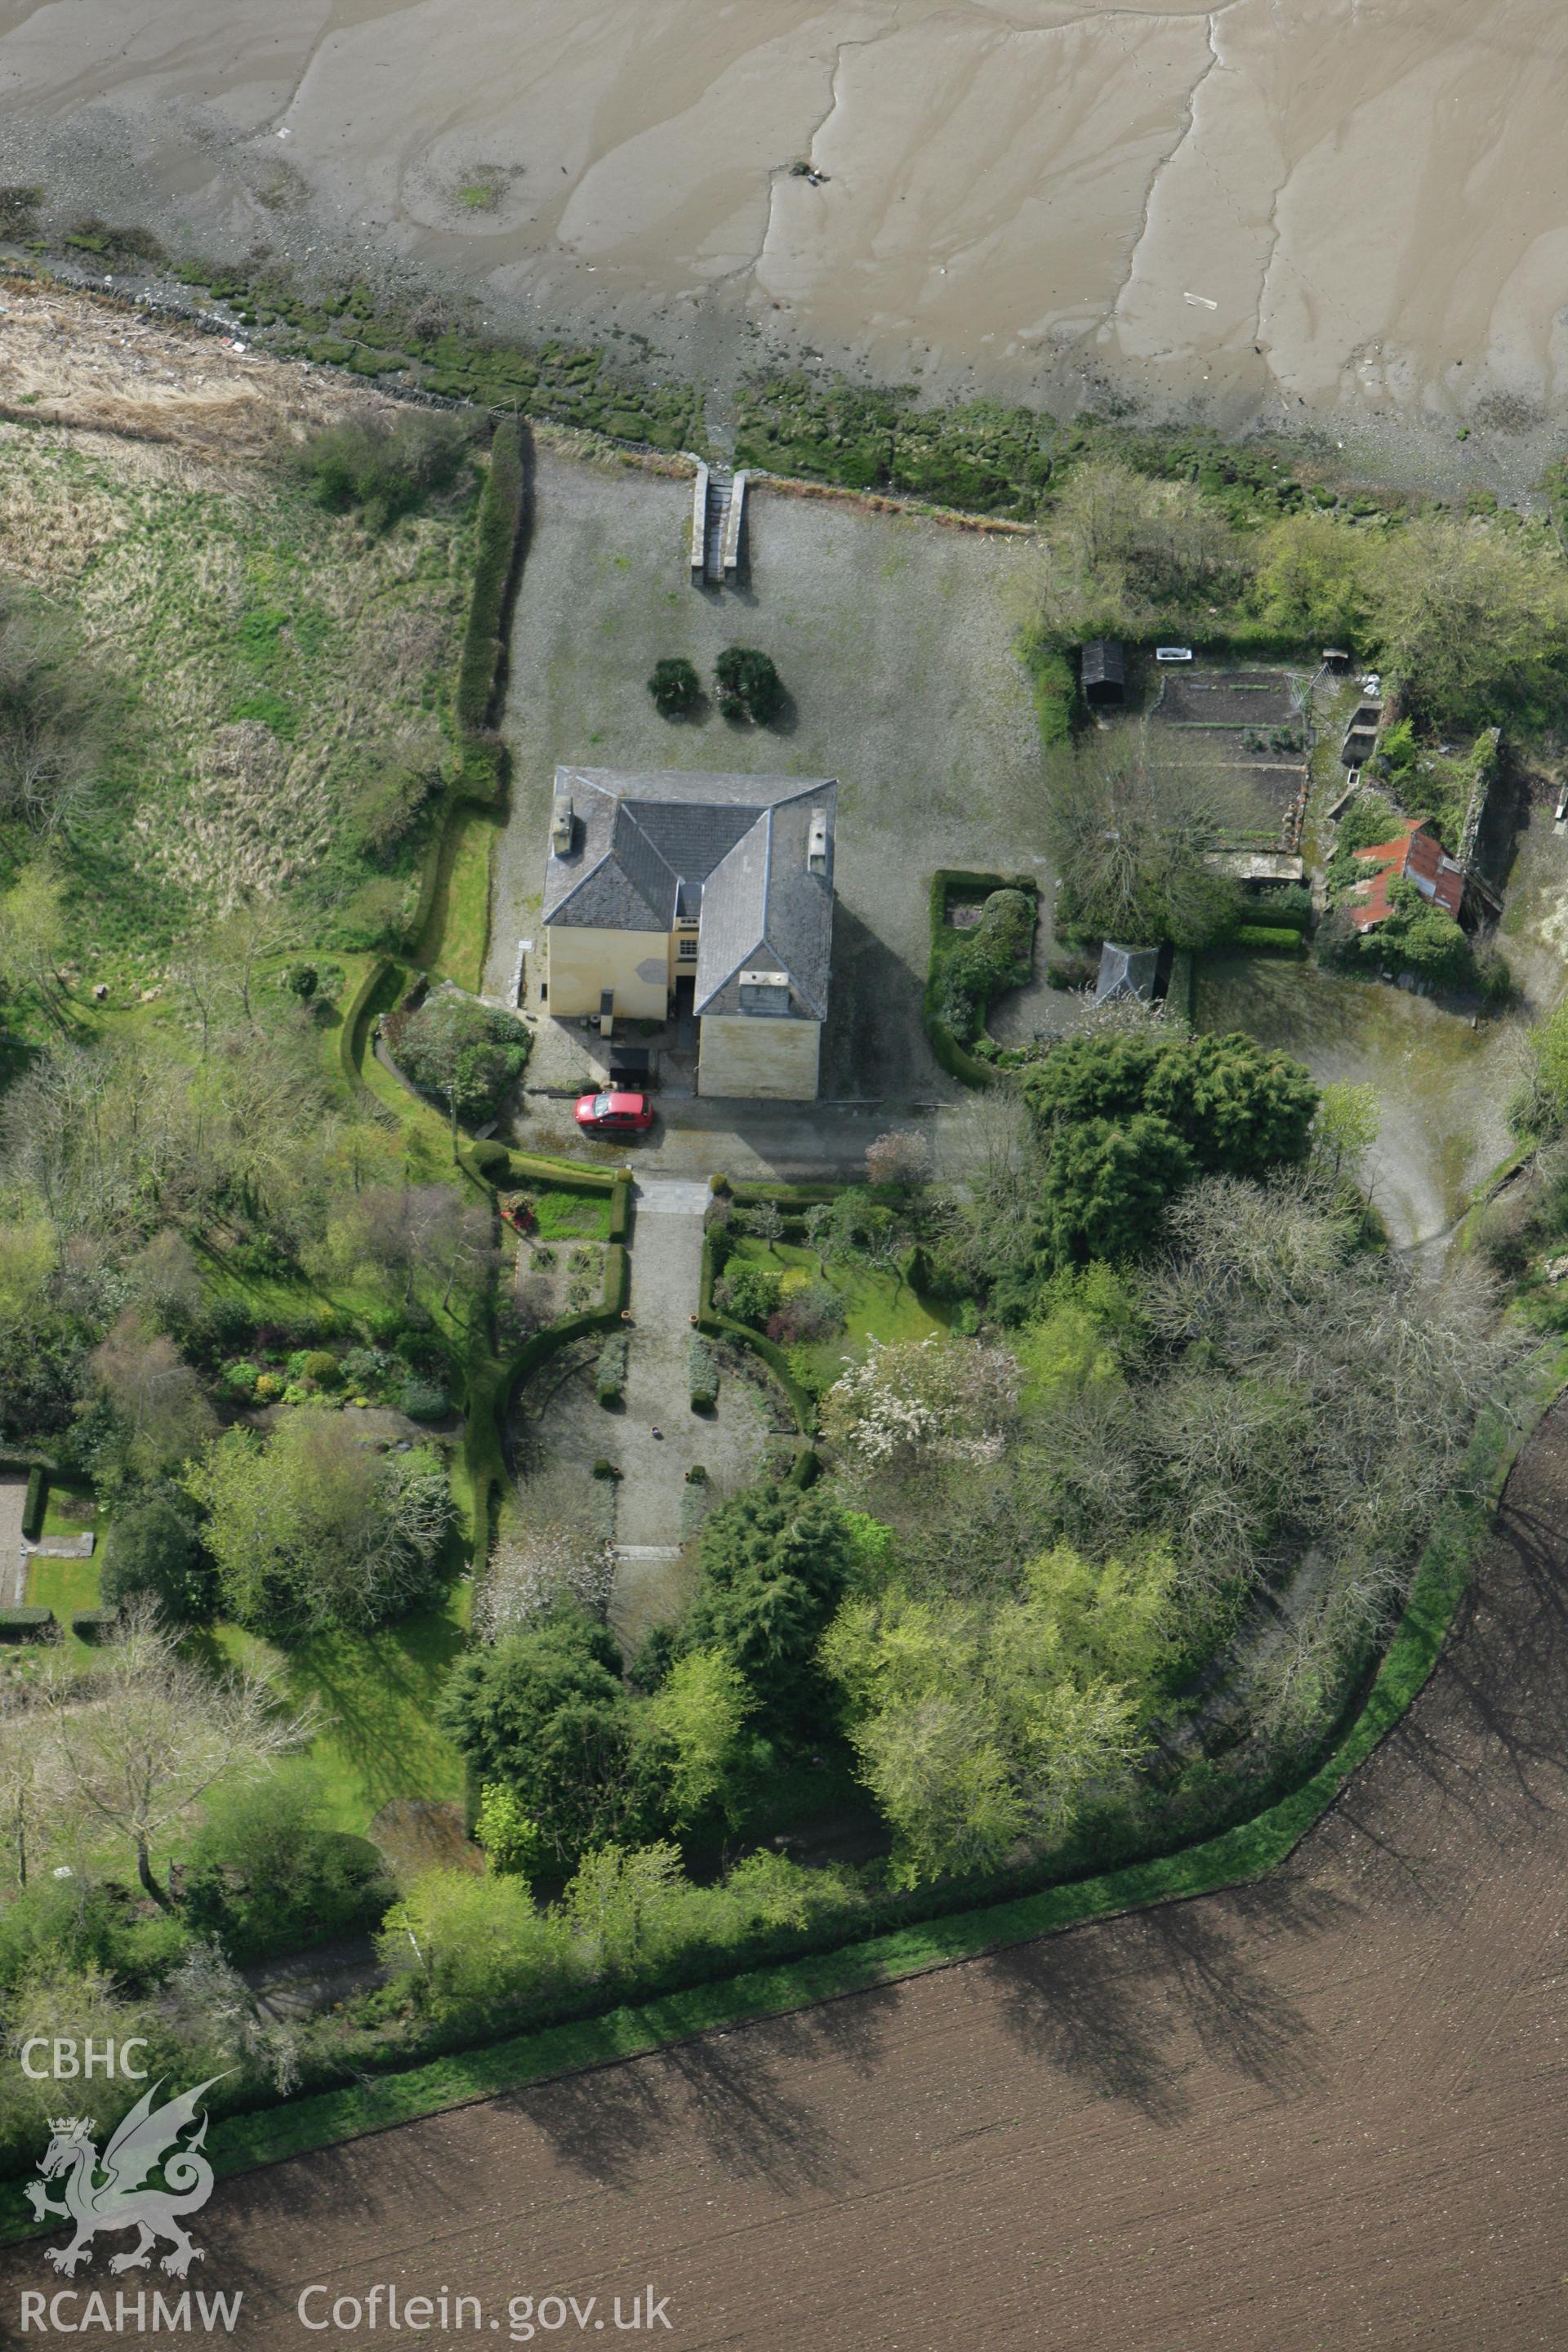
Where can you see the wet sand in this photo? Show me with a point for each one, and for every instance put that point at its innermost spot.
(1331, 211)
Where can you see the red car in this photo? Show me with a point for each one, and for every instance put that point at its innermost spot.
(614, 1114)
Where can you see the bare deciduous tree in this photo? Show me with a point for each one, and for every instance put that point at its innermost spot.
(157, 1732)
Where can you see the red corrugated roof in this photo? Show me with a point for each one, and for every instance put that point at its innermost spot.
(1415, 856)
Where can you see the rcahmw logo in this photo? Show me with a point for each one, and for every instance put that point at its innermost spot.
(122, 2189)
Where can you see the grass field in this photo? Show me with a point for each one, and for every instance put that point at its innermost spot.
(877, 1305)
(378, 1691)
(258, 661)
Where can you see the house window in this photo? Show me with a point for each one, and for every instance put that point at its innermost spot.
(769, 996)
(686, 949)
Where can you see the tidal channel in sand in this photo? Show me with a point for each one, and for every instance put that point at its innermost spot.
(1326, 210)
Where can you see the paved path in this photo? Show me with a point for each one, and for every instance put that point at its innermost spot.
(667, 1271)
(650, 1500)
(13, 1545)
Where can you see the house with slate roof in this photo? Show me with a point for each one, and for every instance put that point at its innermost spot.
(724, 883)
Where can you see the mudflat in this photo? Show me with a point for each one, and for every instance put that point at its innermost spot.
(1291, 208)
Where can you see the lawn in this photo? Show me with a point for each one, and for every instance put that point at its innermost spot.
(65, 1586)
(571, 1216)
(877, 1303)
(379, 1692)
(460, 910)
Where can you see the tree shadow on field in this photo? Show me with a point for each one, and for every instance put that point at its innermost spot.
(738, 2092)
(1487, 1742)
(1120, 2007)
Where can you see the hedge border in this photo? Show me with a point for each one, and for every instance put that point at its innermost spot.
(956, 1059)
(503, 510)
(800, 1402)
(534, 1168)
(24, 1620)
(354, 1028)
(1236, 1857)
(715, 1326)
(35, 1502)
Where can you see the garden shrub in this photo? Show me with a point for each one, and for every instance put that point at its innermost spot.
(465, 1054)
(383, 467)
(806, 1315)
(997, 954)
(322, 1367)
(702, 1375)
(156, 1552)
(675, 689)
(268, 1873)
(424, 1400)
(365, 1368)
(748, 1293)
(1284, 902)
(610, 1374)
(748, 685)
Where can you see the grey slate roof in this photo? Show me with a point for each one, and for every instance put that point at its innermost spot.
(733, 848)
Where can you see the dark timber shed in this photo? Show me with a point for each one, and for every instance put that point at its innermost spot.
(1103, 669)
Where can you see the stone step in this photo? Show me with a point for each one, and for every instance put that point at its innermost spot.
(669, 1196)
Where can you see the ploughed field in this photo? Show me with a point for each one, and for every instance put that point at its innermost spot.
(1324, 2112)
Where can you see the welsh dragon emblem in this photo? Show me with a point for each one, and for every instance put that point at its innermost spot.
(106, 2192)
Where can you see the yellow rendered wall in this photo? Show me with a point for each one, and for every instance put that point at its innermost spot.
(636, 964)
(745, 1054)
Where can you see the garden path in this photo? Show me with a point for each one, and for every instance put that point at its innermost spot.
(651, 1513)
(12, 1550)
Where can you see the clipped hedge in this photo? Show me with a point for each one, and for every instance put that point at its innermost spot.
(94, 1625)
(786, 1196)
(620, 1208)
(495, 1165)
(1284, 902)
(610, 1372)
(949, 1050)
(34, 1502)
(25, 1624)
(379, 988)
(492, 1386)
(502, 505)
(702, 1375)
(803, 1404)
(1266, 939)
